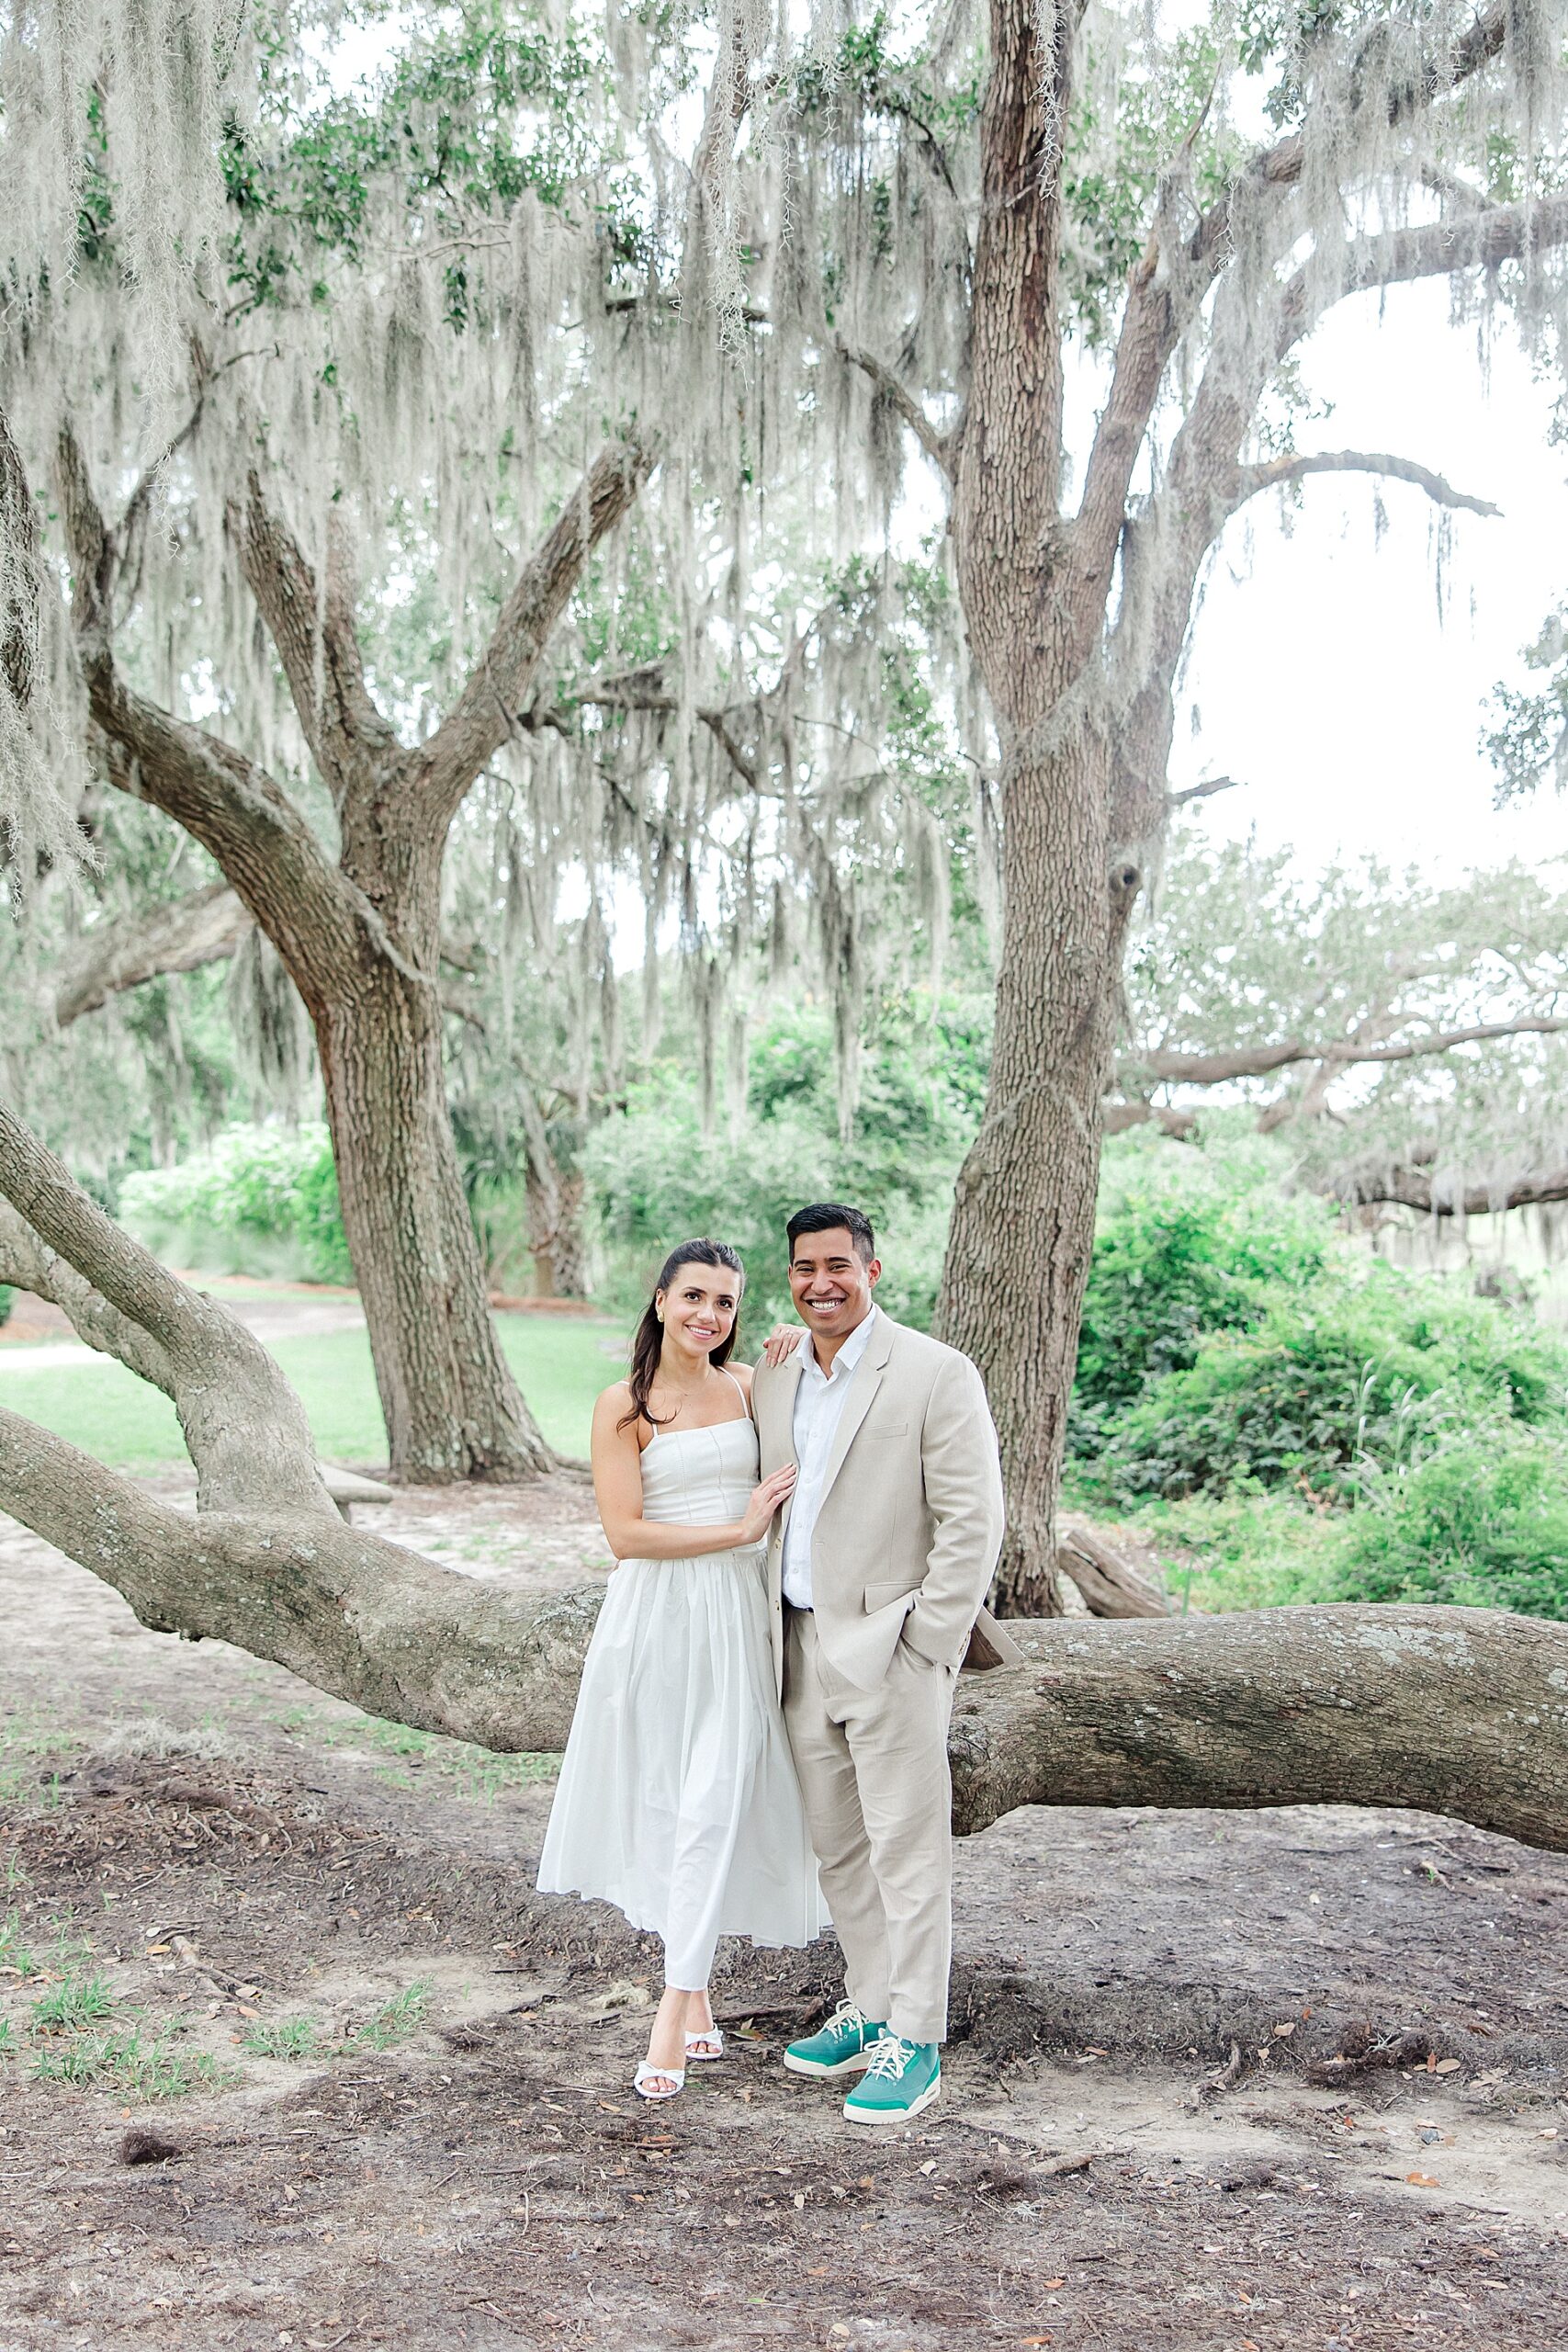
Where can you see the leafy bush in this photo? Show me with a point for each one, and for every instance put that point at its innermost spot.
(1180, 1250)
(654, 1176)
(8, 1300)
(1482, 1520)
(1340, 1377)
(259, 1200)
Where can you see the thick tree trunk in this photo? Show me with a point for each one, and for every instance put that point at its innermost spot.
(359, 938)
(1461, 1711)
(452, 1408)
(1455, 1711)
(554, 1236)
(1022, 1225)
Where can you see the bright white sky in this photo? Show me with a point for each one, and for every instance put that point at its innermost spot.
(1319, 664)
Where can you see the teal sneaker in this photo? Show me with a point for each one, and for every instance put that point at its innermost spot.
(840, 2047)
(901, 2079)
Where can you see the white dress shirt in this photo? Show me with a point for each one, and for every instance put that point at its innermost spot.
(818, 1408)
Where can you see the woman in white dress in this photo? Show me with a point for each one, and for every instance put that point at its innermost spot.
(678, 1800)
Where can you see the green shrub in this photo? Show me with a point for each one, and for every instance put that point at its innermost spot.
(653, 1177)
(1183, 1248)
(1482, 1520)
(8, 1300)
(259, 1200)
(1331, 1381)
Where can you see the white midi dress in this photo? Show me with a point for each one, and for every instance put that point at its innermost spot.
(678, 1801)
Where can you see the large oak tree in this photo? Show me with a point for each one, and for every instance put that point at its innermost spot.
(372, 353)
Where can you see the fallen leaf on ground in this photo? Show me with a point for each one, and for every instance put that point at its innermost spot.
(1422, 2180)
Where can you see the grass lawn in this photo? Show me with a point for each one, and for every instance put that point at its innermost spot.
(561, 1363)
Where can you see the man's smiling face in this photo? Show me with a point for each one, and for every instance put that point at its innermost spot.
(832, 1284)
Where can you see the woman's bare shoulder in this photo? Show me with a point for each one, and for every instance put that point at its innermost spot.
(613, 1402)
(741, 1374)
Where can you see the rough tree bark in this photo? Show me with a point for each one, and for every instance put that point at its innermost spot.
(204, 927)
(1453, 1711)
(359, 935)
(1083, 701)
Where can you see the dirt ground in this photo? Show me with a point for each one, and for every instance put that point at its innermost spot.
(1240, 2082)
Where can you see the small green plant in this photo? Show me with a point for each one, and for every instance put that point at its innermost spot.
(396, 2020)
(26, 1744)
(8, 1300)
(71, 2006)
(258, 1200)
(123, 2061)
(293, 2038)
(477, 1772)
(7, 2038)
(1482, 1521)
(16, 1959)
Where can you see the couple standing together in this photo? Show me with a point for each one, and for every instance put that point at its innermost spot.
(760, 1736)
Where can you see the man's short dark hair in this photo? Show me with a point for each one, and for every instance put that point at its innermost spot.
(824, 1216)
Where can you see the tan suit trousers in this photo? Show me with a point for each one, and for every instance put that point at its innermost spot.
(873, 1768)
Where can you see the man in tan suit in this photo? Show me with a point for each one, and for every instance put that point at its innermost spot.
(878, 1571)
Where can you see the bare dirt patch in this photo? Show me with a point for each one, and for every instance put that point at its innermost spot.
(1240, 2082)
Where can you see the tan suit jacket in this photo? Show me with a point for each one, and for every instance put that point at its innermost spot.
(911, 1517)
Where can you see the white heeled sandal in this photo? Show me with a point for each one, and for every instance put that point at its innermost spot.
(645, 2075)
(703, 2047)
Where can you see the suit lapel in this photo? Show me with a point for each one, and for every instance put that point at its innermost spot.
(865, 1382)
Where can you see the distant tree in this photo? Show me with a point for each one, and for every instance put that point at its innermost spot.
(1407, 1037)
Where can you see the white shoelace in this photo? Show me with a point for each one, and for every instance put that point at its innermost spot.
(890, 2058)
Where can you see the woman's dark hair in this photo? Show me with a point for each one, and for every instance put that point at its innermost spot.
(648, 1341)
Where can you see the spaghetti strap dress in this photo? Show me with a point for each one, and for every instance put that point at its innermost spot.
(678, 1801)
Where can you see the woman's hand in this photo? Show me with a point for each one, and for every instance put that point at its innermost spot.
(782, 1342)
(770, 1496)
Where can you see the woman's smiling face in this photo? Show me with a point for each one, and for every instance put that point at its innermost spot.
(700, 1308)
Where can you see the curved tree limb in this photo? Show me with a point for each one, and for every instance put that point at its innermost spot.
(1252, 480)
(1413, 1188)
(1170, 1068)
(233, 808)
(1452, 1710)
(937, 445)
(201, 927)
(244, 1427)
(1455, 1711)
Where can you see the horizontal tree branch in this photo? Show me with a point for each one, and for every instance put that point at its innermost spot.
(201, 927)
(1413, 1188)
(1170, 1068)
(1433, 249)
(1117, 1118)
(1252, 480)
(1455, 1711)
(1205, 790)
